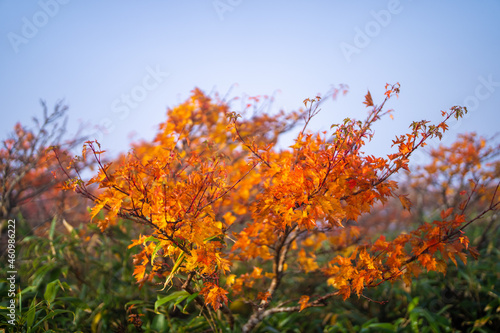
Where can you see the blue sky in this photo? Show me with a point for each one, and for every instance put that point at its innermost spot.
(120, 64)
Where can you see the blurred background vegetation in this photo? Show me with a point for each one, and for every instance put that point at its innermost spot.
(89, 274)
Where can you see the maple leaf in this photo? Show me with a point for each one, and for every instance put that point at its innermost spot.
(405, 202)
(136, 242)
(345, 291)
(380, 244)
(139, 272)
(445, 214)
(358, 284)
(263, 296)
(230, 280)
(303, 302)
(214, 295)
(368, 99)
(473, 252)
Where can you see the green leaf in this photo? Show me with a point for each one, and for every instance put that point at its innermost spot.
(174, 269)
(74, 301)
(412, 304)
(444, 309)
(429, 317)
(170, 297)
(379, 327)
(218, 238)
(40, 274)
(30, 316)
(155, 252)
(189, 300)
(51, 315)
(414, 322)
(180, 299)
(133, 303)
(159, 323)
(51, 291)
(151, 239)
(52, 229)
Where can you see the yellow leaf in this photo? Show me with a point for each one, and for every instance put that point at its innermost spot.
(230, 280)
(229, 218)
(97, 208)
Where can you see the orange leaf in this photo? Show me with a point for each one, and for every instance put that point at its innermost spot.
(358, 284)
(303, 302)
(405, 202)
(345, 291)
(139, 272)
(214, 295)
(474, 252)
(368, 99)
(445, 214)
(464, 240)
(263, 296)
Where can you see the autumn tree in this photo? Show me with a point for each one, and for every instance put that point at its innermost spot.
(231, 215)
(470, 164)
(450, 171)
(27, 169)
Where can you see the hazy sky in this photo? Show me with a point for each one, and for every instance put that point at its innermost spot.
(120, 64)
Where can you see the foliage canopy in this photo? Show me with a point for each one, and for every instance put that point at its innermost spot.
(231, 215)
